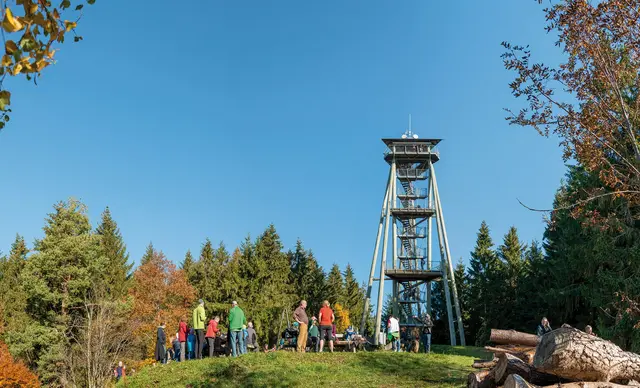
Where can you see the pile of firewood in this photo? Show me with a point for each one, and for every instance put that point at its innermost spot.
(566, 357)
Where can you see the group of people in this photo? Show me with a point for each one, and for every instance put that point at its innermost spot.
(401, 339)
(321, 331)
(189, 342)
(544, 327)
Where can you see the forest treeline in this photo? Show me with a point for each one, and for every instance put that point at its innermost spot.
(73, 304)
(585, 272)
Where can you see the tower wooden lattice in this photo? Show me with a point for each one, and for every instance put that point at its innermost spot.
(411, 202)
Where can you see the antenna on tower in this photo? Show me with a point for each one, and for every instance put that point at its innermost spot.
(409, 132)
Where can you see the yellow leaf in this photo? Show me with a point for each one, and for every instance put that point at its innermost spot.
(33, 8)
(6, 60)
(70, 25)
(51, 53)
(56, 14)
(5, 99)
(10, 47)
(41, 64)
(9, 23)
(16, 69)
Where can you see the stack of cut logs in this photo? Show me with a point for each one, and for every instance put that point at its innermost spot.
(566, 358)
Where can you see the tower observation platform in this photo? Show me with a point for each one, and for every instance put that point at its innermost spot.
(411, 202)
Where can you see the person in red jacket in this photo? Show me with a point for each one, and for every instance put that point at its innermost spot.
(212, 329)
(182, 337)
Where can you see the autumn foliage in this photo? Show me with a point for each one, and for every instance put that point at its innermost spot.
(342, 318)
(31, 31)
(14, 374)
(591, 101)
(161, 293)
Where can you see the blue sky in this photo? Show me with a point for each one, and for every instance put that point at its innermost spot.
(216, 118)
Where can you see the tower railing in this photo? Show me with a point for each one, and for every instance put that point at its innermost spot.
(412, 232)
(412, 173)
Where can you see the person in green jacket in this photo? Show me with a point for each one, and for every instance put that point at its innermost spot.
(198, 325)
(314, 333)
(236, 321)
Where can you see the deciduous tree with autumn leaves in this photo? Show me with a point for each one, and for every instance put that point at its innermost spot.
(591, 100)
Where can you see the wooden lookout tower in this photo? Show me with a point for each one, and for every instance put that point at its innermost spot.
(411, 202)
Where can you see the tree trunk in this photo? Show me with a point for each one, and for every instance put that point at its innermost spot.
(485, 364)
(511, 365)
(512, 337)
(585, 384)
(515, 381)
(481, 379)
(576, 355)
(525, 355)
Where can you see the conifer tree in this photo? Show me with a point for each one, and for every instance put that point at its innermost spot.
(299, 263)
(315, 281)
(353, 294)
(114, 249)
(66, 269)
(482, 263)
(188, 265)
(511, 252)
(205, 278)
(267, 292)
(148, 254)
(334, 287)
(13, 298)
(462, 286)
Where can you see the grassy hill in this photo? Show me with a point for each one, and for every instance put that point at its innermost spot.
(446, 367)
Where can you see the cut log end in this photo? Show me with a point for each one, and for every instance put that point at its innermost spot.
(515, 381)
(576, 355)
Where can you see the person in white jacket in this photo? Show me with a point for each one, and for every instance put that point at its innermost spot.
(393, 328)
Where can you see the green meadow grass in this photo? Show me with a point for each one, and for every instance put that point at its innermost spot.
(445, 367)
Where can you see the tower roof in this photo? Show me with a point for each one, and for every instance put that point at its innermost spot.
(433, 142)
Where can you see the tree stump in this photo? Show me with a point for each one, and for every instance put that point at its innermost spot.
(576, 355)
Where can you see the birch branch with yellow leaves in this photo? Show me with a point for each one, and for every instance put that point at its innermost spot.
(31, 31)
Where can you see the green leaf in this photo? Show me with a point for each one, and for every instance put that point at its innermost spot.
(6, 118)
(91, 1)
(65, 4)
(77, 38)
(79, 7)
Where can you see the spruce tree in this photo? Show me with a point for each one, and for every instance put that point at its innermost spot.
(187, 265)
(482, 263)
(205, 280)
(507, 301)
(315, 281)
(462, 286)
(334, 287)
(13, 298)
(113, 248)
(353, 295)
(299, 263)
(148, 254)
(268, 292)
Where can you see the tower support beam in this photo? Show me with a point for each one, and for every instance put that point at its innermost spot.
(367, 301)
(440, 218)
